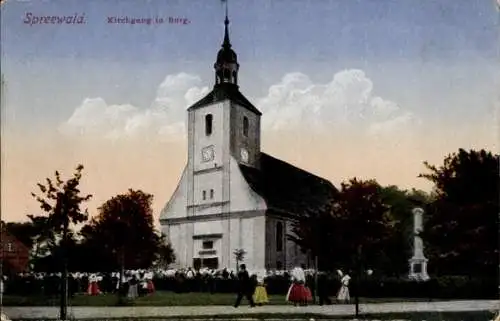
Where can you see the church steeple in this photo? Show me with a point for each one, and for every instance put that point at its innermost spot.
(226, 65)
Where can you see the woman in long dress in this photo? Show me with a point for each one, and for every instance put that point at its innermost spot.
(93, 288)
(343, 295)
(298, 293)
(260, 293)
(132, 287)
(150, 284)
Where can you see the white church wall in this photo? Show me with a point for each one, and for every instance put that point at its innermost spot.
(204, 183)
(259, 242)
(247, 236)
(176, 206)
(176, 235)
(215, 139)
(205, 228)
(243, 198)
(235, 241)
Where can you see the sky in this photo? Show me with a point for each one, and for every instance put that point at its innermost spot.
(347, 88)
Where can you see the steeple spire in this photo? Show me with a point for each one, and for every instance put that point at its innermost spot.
(226, 43)
(226, 66)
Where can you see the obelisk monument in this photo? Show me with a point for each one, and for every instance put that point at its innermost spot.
(418, 262)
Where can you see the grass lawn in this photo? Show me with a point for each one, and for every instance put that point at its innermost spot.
(161, 299)
(427, 316)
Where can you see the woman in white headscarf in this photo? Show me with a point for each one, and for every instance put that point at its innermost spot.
(297, 293)
(93, 288)
(343, 295)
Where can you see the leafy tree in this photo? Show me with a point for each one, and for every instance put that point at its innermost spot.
(462, 226)
(365, 223)
(239, 255)
(315, 233)
(61, 201)
(124, 231)
(353, 226)
(165, 255)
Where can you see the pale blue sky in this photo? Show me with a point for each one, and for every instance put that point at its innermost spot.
(425, 55)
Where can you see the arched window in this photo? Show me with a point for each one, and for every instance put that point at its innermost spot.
(211, 194)
(279, 236)
(208, 124)
(245, 126)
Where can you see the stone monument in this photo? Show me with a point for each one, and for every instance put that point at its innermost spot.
(418, 262)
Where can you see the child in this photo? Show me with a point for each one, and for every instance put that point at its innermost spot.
(260, 294)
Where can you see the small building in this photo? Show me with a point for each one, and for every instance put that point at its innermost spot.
(14, 255)
(231, 196)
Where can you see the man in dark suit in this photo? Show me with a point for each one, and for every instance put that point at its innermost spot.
(245, 287)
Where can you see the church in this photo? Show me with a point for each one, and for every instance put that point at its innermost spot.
(231, 196)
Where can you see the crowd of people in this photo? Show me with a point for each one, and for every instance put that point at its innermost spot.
(251, 285)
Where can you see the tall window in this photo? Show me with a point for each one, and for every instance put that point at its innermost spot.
(208, 124)
(279, 236)
(204, 195)
(245, 126)
(211, 194)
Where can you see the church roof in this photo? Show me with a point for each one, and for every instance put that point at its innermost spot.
(222, 92)
(287, 189)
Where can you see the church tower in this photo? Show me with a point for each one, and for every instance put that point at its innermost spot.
(221, 126)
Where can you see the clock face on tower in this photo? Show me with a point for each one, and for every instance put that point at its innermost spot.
(208, 153)
(244, 155)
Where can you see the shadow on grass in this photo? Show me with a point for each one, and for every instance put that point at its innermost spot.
(163, 299)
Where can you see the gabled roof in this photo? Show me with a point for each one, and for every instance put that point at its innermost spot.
(222, 92)
(287, 189)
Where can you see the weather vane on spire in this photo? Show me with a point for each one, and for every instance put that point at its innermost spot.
(225, 2)
(226, 43)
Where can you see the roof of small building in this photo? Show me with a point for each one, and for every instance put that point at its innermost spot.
(222, 92)
(288, 189)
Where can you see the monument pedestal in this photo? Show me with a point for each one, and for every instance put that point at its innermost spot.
(418, 269)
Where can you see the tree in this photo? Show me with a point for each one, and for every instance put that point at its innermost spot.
(364, 222)
(165, 254)
(462, 223)
(124, 231)
(315, 232)
(239, 255)
(61, 200)
(355, 219)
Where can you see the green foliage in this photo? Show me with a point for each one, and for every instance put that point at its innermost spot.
(239, 255)
(61, 201)
(354, 225)
(124, 232)
(462, 228)
(374, 224)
